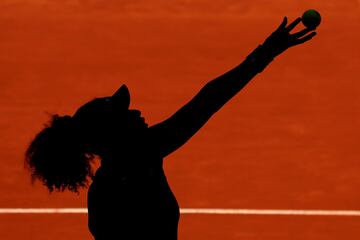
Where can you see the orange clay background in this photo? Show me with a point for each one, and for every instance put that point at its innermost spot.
(288, 140)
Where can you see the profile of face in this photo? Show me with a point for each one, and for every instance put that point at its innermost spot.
(131, 118)
(110, 122)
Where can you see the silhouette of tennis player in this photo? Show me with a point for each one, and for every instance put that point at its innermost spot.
(129, 197)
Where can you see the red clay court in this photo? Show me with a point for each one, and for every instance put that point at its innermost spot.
(296, 141)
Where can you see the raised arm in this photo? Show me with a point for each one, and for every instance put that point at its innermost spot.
(172, 133)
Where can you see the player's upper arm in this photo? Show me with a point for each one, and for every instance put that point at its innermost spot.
(175, 131)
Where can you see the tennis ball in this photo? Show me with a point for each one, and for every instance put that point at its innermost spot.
(311, 18)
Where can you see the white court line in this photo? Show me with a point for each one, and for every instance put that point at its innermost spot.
(195, 211)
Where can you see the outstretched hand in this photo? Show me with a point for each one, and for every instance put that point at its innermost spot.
(281, 39)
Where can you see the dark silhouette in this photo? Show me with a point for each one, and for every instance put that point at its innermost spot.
(129, 197)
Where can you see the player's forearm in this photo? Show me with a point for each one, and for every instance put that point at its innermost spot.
(220, 90)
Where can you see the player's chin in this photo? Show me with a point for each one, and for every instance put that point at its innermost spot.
(138, 124)
(142, 125)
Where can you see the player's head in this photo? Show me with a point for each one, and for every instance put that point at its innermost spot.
(106, 121)
(61, 154)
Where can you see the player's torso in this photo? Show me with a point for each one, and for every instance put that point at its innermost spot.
(134, 204)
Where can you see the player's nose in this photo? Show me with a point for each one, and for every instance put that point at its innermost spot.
(135, 113)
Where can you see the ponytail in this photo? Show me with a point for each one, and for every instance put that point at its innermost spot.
(58, 158)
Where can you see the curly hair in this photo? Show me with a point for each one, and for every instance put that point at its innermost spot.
(58, 158)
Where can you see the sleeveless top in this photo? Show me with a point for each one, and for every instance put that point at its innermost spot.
(132, 202)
